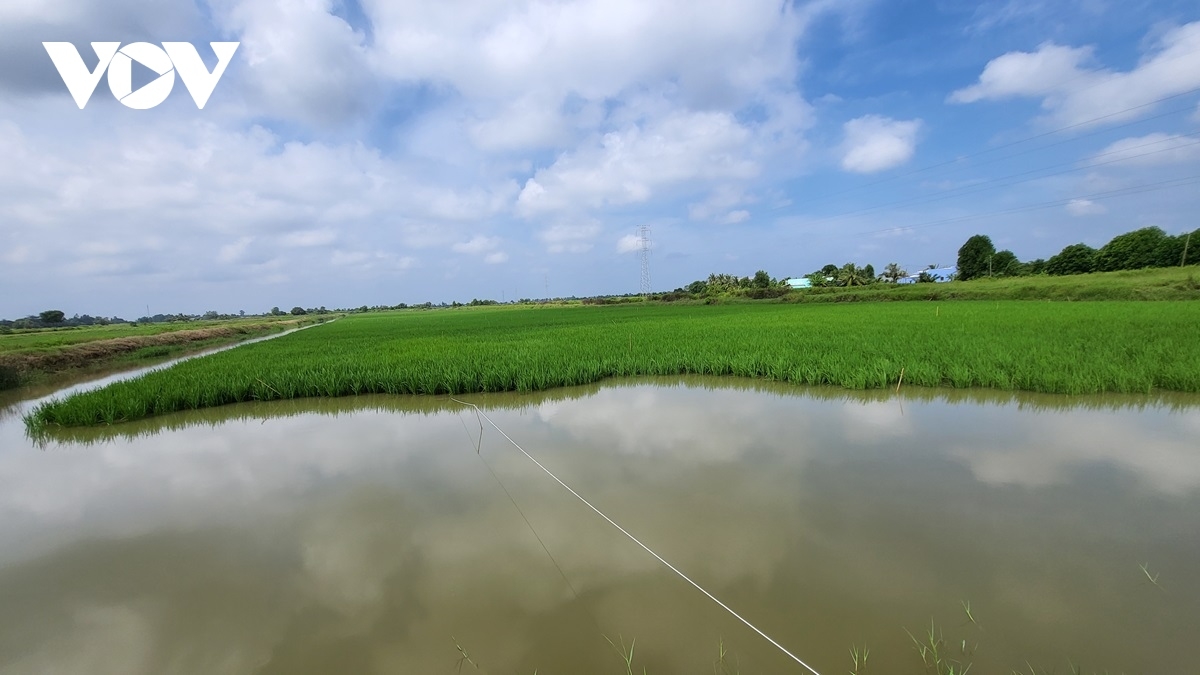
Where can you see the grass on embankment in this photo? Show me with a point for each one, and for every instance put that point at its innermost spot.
(30, 356)
(1034, 346)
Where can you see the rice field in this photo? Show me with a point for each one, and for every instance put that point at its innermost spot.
(1068, 348)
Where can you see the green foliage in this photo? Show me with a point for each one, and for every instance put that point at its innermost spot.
(973, 257)
(1147, 247)
(1074, 259)
(852, 275)
(52, 316)
(297, 311)
(1097, 347)
(1032, 267)
(1005, 264)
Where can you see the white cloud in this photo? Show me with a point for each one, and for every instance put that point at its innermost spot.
(874, 143)
(637, 163)
(1073, 90)
(495, 258)
(1152, 150)
(719, 206)
(232, 252)
(629, 243)
(503, 50)
(570, 238)
(308, 238)
(302, 61)
(477, 244)
(1085, 207)
(734, 217)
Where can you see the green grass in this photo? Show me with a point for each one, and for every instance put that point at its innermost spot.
(49, 339)
(1070, 348)
(1171, 283)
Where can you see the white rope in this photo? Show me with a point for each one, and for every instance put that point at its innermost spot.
(636, 541)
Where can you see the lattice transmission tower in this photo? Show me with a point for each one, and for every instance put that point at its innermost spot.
(644, 252)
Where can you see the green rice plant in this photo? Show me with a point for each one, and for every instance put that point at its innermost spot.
(1065, 348)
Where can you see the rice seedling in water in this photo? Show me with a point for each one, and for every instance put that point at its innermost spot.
(1151, 578)
(938, 656)
(858, 656)
(626, 653)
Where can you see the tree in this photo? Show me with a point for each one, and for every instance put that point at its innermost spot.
(851, 275)
(817, 279)
(275, 311)
(830, 270)
(925, 277)
(869, 272)
(297, 311)
(894, 273)
(761, 279)
(973, 257)
(1074, 259)
(52, 316)
(1135, 250)
(1005, 264)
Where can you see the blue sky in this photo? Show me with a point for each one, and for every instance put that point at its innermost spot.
(376, 151)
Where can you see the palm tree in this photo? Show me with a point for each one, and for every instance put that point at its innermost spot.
(851, 275)
(894, 273)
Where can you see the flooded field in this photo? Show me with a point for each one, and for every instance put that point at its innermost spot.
(388, 534)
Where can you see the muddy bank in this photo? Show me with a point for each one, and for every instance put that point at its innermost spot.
(21, 368)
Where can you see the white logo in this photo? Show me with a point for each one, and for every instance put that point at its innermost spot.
(173, 57)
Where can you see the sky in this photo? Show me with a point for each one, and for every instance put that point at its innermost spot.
(373, 152)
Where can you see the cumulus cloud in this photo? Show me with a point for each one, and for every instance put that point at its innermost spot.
(1074, 89)
(875, 143)
(629, 243)
(570, 237)
(638, 162)
(303, 62)
(720, 205)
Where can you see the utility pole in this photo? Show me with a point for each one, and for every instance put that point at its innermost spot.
(1185, 248)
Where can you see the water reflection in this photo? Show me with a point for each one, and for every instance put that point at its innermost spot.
(366, 534)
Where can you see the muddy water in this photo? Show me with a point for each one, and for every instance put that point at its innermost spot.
(368, 535)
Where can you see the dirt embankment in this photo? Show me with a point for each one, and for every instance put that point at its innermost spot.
(100, 351)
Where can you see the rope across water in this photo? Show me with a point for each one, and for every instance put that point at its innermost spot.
(635, 540)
